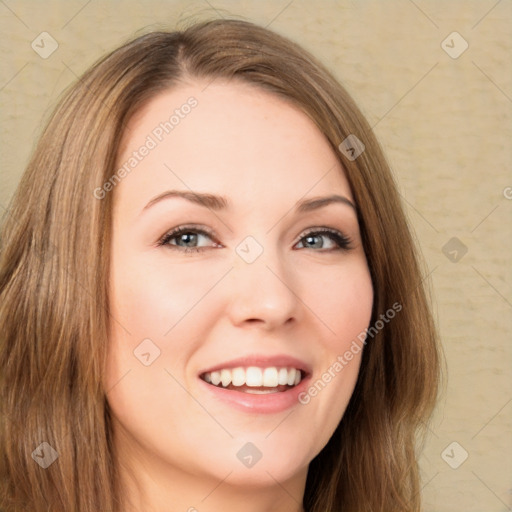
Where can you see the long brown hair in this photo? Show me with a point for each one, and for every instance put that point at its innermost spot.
(54, 307)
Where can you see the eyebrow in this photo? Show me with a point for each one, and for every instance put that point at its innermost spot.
(215, 202)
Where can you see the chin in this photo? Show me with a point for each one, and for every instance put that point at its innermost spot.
(261, 463)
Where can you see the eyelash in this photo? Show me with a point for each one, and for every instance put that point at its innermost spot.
(343, 242)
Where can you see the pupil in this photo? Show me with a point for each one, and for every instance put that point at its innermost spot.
(187, 235)
(310, 238)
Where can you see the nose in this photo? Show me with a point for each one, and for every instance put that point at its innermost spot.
(262, 292)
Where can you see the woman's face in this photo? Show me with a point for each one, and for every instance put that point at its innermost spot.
(260, 282)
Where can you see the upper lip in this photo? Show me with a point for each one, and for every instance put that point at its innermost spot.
(261, 361)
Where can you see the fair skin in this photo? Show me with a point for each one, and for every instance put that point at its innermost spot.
(302, 297)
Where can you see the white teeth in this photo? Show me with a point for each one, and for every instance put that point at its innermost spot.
(270, 379)
(254, 377)
(215, 378)
(225, 378)
(282, 376)
(291, 376)
(238, 376)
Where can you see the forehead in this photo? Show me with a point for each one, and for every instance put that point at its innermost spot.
(236, 139)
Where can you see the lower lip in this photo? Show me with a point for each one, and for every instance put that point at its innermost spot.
(258, 403)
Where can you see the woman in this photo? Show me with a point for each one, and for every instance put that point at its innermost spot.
(210, 299)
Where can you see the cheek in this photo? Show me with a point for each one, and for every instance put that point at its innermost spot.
(150, 298)
(146, 307)
(161, 308)
(342, 302)
(344, 307)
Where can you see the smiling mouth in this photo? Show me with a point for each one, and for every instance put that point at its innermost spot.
(255, 380)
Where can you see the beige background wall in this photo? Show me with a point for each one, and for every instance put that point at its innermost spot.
(446, 126)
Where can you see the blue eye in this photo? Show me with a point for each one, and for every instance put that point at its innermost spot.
(342, 242)
(185, 235)
(186, 239)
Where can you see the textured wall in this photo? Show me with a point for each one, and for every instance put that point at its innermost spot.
(445, 122)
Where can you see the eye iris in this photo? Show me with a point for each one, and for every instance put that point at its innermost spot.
(309, 239)
(188, 237)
